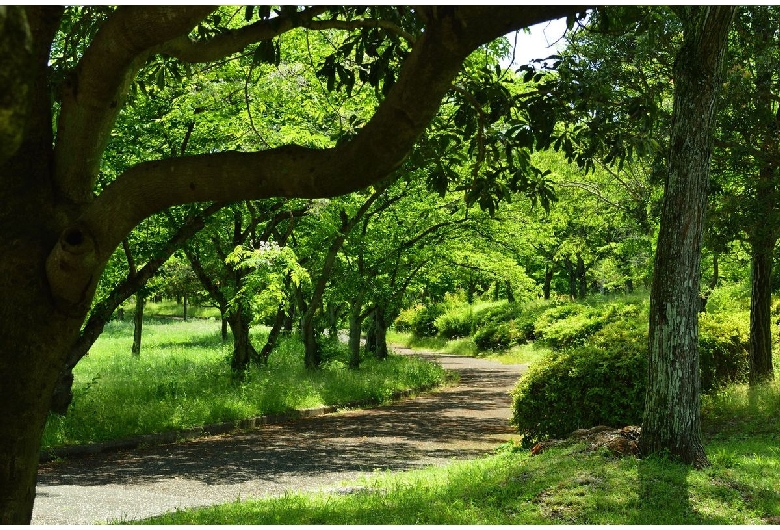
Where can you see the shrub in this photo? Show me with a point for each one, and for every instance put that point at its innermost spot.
(423, 322)
(573, 324)
(724, 346)
(507, 325)
(403, 323)
(604, 381)
(580, 387)
(496, 336)
(456, 322)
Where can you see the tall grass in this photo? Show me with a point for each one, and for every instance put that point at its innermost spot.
(182, 379)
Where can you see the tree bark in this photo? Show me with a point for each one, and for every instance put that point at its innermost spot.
(138, 323)
(582, 282)
(672, 420)
(355, 329)
(243, 351)
(548, 275)
(761, 369)
(380, 323)
(273, 335)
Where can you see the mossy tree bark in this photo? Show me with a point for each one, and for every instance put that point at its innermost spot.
(672, 421)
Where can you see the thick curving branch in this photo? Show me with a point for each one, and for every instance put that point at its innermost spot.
(233, 41)
(95, 91)
(294, 171)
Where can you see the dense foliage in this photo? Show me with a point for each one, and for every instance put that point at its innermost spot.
(595, 371)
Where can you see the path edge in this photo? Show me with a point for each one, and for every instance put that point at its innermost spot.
(169, 437)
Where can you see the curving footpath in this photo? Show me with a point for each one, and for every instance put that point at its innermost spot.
(319, 453)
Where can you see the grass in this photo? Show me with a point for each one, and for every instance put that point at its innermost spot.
(560, 486)
(182, 379)
(522, 354)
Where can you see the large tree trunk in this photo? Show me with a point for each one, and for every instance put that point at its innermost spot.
(672, 419)
(761, 369)
(36, 330)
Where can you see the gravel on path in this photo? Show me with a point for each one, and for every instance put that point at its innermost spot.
(459, 422)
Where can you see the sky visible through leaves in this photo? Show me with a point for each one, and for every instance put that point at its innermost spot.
(539, 44)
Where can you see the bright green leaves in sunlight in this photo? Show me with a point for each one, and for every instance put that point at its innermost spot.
(269, 267)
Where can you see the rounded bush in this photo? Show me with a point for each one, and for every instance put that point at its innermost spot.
(724, 349)
(579, 388)
(423, 322)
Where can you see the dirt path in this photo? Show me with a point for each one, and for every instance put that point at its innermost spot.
(311, 454)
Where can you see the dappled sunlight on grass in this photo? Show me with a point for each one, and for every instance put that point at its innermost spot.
(183, 379)
(561, 486)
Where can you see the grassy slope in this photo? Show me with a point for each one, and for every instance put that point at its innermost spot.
(182, 379)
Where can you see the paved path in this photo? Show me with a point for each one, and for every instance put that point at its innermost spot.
(311, 454)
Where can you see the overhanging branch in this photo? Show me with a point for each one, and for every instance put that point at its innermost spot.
(95, 92)
(290, 171)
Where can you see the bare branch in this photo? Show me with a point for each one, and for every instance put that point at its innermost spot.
(234, 41)
(349, 25)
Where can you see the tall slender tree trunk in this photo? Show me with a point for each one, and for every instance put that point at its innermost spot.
(761, 369)
(273, 335)
(355, 328)
(548, 275)
(380, 328)
(138, 322)
(572, 279)
(582, 282)
(510, 293)
(185, 299)
(672, 420)
(312, 356)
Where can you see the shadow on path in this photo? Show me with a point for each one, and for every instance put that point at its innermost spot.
(454, 423)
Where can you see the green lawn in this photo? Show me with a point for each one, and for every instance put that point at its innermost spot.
(560, 486)
(182, 379)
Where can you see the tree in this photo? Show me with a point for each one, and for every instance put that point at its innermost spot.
(57, 235)
(746, 162)
(214, 264)
(672, 419)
